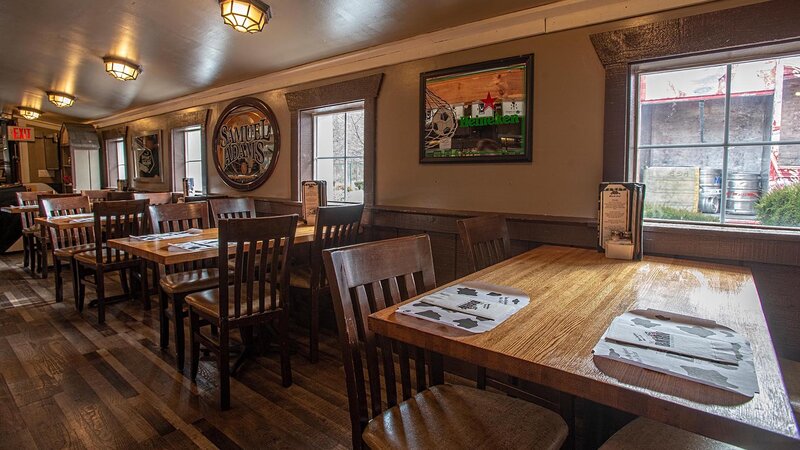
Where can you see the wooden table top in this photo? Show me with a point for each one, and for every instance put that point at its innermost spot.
(575, 294)
(67, 222)
(17, 209)
(159, 252)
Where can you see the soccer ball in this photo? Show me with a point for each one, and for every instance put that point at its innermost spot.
(443, 123)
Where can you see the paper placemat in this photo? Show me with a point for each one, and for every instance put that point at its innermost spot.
(467, 306)
(171, 235)
(195, 246)
(738, 377)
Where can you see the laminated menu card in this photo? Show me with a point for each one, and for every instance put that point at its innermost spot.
(194, 246)
(471, 306)
(683, 346)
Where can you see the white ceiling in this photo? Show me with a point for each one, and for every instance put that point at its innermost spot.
(184, 46)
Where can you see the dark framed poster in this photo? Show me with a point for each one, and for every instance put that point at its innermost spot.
(246, 143)
(147, 162)
(478, 113)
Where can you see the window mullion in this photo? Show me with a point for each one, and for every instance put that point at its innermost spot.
(723, 200)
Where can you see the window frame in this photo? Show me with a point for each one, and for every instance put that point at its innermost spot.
(179, 164)
(670, 64)
(329, 111)
(123, 162)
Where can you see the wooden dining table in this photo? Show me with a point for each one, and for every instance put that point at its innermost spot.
(160, 252)
(575, 294)
(19, 209)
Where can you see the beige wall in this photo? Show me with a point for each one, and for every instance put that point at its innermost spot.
(36, 154)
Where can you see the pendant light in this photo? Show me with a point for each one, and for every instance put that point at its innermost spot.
(122, 69)
(29, 113)
(61, 99)
(247, 16)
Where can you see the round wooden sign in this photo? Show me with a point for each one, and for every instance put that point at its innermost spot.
(246, 143)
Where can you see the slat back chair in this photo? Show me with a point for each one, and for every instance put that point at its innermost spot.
(95, 195)
(485, 240)
(231, 208)
(156, 198)
(112, 220)
(336, 226)
(30, 232)
(120, 195)
(256, 296)
(68, 242)
(43, 236)
(366, 278)
(178, 280)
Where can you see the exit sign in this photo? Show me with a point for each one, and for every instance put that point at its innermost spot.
(20, 134)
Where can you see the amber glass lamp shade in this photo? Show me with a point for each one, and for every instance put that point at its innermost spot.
(122, 69)
(29, 113)
(61, 99)
(247, 16)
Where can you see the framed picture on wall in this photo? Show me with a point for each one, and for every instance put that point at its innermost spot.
(478, 113)
(147, 163)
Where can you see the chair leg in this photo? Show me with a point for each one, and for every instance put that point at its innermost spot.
(144, 294)
(162, 319)
(286, 365)
(223, 361)
(59, 282)
(101, 295)
(81, 286)
(180, 339)
(194, 328)
(73, 265)
(313, 338)
(26, 249)
(43, 257)
(124, 281)
(481, 378)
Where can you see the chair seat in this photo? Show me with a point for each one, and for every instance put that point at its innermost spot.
(69, 252)
(90, 257)
(300, 277)
(31, 230)
(455, 417)
(646, 433)
(190, 281)
(791, 379)
(206, 302)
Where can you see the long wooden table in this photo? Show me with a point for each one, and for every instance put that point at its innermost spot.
(575, 294)
(17, 209)
(159, 252)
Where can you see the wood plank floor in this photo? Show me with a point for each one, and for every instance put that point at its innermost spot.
(67, 382)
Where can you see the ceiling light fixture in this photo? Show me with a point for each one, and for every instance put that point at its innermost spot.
(247, 16)
(122, 69)
(29, 113)
(61, 99)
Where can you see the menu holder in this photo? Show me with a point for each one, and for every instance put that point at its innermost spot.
(471, 306)
(314, 195)
(684, 356)
(620, 215)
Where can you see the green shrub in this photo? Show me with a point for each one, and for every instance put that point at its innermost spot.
(780, 207)
(670, 213)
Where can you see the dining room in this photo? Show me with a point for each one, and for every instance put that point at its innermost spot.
(394, 224)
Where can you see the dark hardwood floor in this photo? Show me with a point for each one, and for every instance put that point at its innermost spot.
(66, 382)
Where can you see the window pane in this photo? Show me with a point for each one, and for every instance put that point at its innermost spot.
(355, 133)
(682, 106)
(323, 134)
(752, 97)
(355, 180)
(332, 171)
(195, 170)
(193, 145)
(122, 172)
(682, 184)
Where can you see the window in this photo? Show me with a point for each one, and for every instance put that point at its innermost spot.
(116, 162)
(720, 143)
(339, 154)
(187, 144)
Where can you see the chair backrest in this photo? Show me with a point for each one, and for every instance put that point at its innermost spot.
(28, 198)
(336, 226)
(261, 268)
(156, 198)
(118, 219)
(180, 217)
(485, 240)
(366, 278)
(63, 206)
(231, 208)
(95, 195)
(43, 197)
(120, 195)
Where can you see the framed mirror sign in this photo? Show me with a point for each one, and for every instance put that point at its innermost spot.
(246, 143)
(478, 113)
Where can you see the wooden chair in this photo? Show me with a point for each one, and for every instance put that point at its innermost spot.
(176, 281)
(365, 278)
(68, 243)
(336, 226)
(44, 236)
(112, 220)
(114, 196)
(644, 433)
(30, 229)
(485, 240)
(231, 208)
(256, 296)
(156, 198)
(95, 195)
